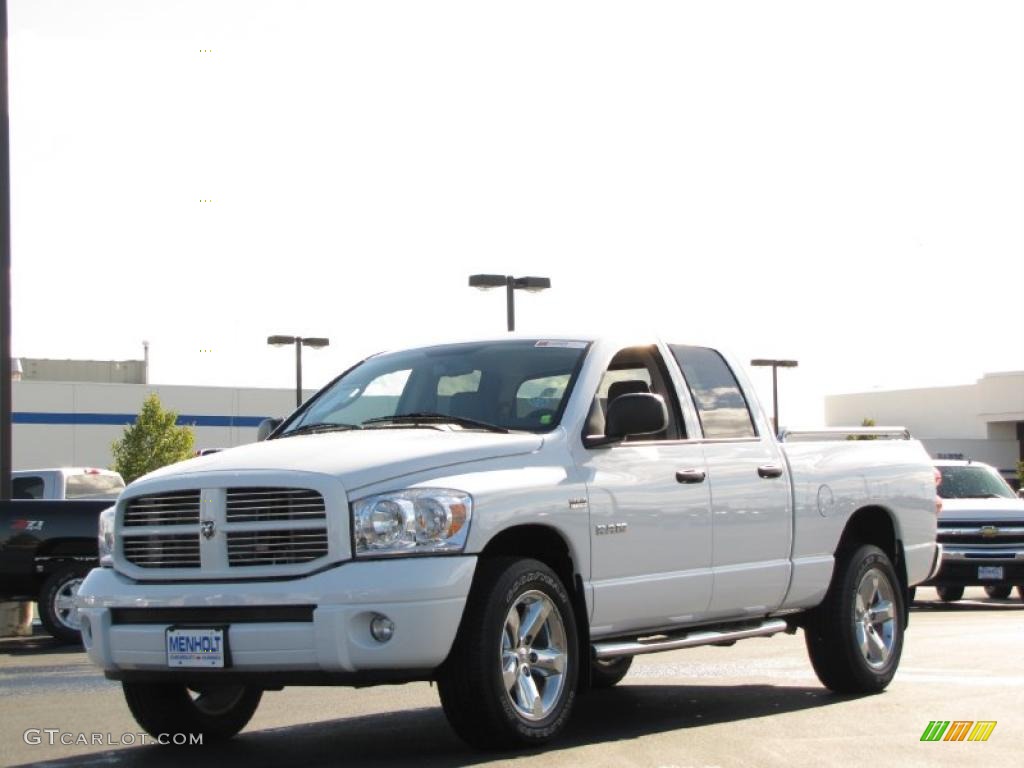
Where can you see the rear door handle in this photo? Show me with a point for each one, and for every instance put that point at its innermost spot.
(769, 471)
(690, 476)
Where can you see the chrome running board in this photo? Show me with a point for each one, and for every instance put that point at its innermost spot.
(692, 639)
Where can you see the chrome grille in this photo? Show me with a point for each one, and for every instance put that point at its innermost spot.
(163, 550)
(175, 508)
(278, 547)
(985, 534)
(256, 505)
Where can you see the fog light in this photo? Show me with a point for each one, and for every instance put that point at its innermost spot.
(382, 628)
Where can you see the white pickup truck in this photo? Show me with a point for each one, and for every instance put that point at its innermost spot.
(514, 519)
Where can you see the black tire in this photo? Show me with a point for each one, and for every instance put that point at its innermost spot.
(839, 642)
(1020, 591)
(911, 595)
(481, 707)
(605, 673)
(216, 712)
(949, 594)
(998, 591)
(59, 618)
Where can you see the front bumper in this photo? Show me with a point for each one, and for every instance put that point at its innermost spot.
(301, 629)
(960, 567)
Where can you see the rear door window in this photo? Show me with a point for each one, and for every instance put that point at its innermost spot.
(721, 405)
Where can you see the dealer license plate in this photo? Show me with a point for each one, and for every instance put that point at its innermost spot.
(196, 647)
(990, 572)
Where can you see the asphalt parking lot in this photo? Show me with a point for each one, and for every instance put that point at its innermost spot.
(754, 704)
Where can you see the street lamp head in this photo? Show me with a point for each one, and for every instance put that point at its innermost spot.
(486, 282)
(532, 284)
(316, 342)
(762, 363)
(278, 341)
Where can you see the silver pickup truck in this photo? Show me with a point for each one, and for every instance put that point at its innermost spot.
(514, 519)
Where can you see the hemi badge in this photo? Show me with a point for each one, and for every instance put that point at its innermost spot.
(577, 503)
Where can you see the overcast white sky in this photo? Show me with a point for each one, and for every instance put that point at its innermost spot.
(837, 182)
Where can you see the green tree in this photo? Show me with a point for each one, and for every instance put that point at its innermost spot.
(866, 422)
(153, 441)
(1020, 473)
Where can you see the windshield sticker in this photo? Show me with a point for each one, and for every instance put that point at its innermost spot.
(562, 344)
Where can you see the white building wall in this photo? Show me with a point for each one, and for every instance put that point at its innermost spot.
(70, 436)
(936, 412)
(979, 421)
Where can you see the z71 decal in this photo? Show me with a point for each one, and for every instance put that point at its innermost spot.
(27, 525)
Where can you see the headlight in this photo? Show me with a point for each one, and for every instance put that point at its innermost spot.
(411, 522)
(106, 537)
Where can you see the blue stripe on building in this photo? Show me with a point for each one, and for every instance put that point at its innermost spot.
(123, 419)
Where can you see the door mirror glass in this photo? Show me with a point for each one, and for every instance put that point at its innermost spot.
(638, 413)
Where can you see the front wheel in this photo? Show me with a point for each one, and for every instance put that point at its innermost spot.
(998, 591)
(173, 712)
(510, 679)
(949, 594)
(855, 637)
(58, 611)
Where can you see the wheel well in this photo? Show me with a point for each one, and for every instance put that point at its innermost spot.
(547, 545)
(874, 525)
(870, 525)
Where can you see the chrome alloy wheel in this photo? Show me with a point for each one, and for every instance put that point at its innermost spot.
(875, 618)
(64, 607)
(534, 655)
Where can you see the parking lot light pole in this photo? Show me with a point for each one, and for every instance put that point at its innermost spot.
(775, 365)
(512, 284)
(299, 342)
(6, 403)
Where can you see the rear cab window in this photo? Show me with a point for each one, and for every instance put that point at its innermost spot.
(92, 486)
(721, 405)
(28, 487)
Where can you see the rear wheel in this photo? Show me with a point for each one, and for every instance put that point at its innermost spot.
(57, 608)
(217, 712)
(855, 637)
(510, 679)
(604, 673)
(999, 591)
(950, 594)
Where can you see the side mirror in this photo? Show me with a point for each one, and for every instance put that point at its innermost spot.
(266, 427)
(638, 413)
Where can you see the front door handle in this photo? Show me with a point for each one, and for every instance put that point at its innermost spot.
(690, 476)
(769, 471)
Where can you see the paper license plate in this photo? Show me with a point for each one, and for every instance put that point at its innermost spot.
(990, 571)
(196, 647)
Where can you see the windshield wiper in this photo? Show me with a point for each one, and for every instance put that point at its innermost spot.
(320, 426)
(435, 418)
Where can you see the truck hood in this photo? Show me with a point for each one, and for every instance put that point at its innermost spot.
(361, 458)
(982, 509)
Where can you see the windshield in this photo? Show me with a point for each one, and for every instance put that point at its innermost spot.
(972, 483)
(515, 385)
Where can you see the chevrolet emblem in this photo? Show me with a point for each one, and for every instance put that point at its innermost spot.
(988, 531)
